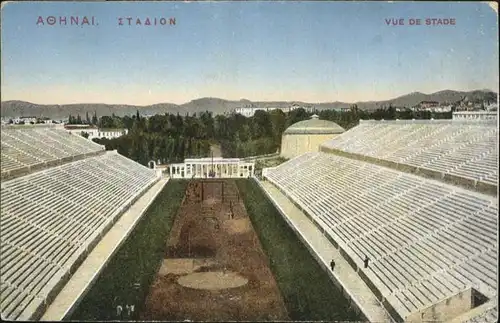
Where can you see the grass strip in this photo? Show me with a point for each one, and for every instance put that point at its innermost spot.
(307, 290)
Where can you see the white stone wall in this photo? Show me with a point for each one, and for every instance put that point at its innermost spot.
(293, 145)
(97, 133)
(444, 310)
(201, 168)
(474, 115)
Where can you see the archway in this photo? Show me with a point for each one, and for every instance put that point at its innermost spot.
(152, 164)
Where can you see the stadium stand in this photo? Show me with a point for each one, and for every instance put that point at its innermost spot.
(490, 315)
(52, 218)
(426, 240)
(28, 147)
(462, 149)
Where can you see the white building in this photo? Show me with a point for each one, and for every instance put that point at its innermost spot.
(108, 133)
(491, 107)
(250, 111)
(26, 120)
(443, 108)
(475, 115)
(217, 167)
(95, 132)
(246, 111)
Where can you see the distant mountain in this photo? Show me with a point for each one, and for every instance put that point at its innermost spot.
(219, 106)
(443, 97)
(21, 108)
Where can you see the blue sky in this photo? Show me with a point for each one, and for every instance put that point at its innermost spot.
(304, 51)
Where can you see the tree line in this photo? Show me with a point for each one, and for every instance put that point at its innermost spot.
(171, 138)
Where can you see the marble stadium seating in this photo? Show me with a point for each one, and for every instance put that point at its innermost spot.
(31, 146)
(464, 149)
(427, 240)
(52, 218)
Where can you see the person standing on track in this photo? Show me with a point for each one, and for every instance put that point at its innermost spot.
(332, 264)
(231, 215)
(366, 261)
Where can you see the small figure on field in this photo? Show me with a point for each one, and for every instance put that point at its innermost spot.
(366, 261)
(332, 264)
(231, 215)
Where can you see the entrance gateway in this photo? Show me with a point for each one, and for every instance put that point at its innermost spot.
(211, 168)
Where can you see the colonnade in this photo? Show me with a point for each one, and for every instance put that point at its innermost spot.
(207, 167)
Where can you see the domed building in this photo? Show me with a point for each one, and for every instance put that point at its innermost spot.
(307, 135)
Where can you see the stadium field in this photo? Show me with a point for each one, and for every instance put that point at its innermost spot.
(220, 230)
(214, 268)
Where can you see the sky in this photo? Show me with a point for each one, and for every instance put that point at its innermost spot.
(261, 51)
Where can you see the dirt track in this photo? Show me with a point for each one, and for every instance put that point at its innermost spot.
(206, 238)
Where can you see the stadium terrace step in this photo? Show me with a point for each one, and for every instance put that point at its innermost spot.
(415, 144)
(31, 146)
(422, 236)
(51, 217)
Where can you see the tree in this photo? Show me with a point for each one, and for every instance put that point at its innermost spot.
(208, 124)
(261, 124)
(296, 116)
(127, 122)
(390, 113)
(87, 118)
(155, 123)
(278, 122)
(95, 120)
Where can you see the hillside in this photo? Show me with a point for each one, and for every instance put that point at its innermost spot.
(220, 106)
(444, 97)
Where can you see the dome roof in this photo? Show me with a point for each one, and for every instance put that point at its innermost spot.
(314, 126)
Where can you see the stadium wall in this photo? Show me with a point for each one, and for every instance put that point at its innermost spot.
(469, 184)
(345, 292)
(445, 309)
(293, 145)
(266, 156)
(479, 313)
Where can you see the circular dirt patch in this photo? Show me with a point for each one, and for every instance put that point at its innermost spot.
(181, 266)
(238, 225)
(212, 280)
